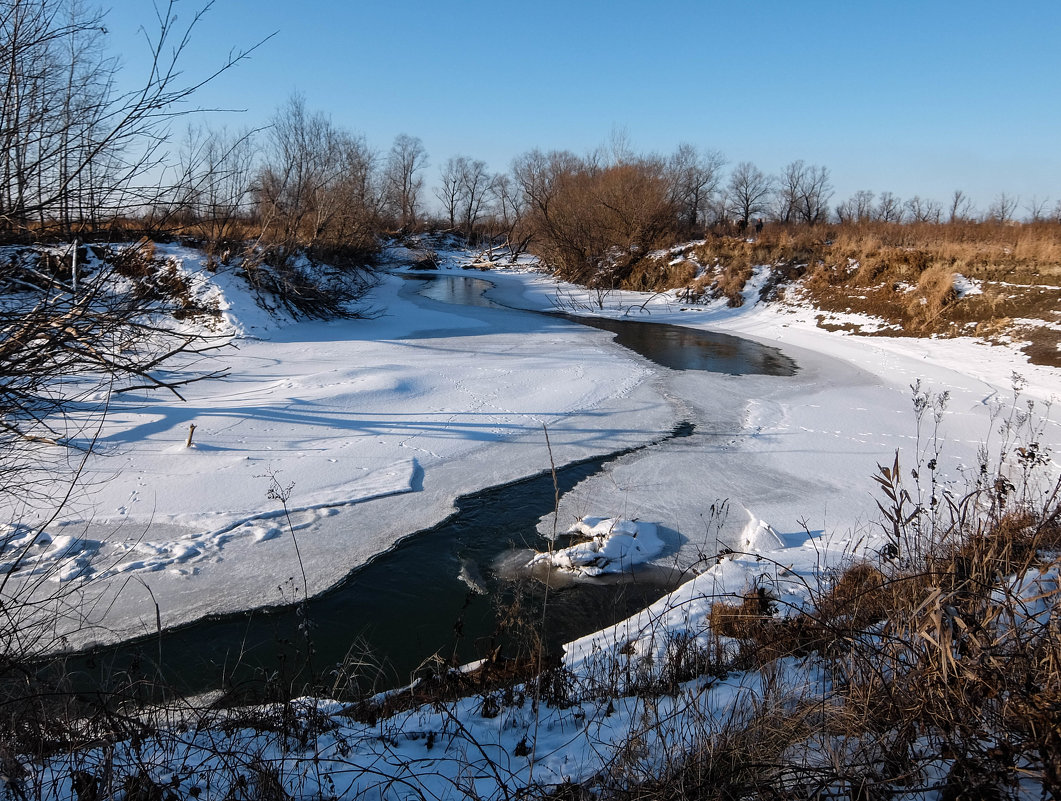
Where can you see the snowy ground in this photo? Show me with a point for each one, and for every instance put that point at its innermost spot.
(378, 424)
(793, 458)
(781, 471)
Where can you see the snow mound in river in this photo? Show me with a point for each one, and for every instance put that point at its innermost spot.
(611, 545)
(758, 535)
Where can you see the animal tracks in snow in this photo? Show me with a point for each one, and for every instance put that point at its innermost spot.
(29, 553)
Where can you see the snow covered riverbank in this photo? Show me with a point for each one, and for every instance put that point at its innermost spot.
(377, 425)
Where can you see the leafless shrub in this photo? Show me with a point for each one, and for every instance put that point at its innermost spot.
(594, 222)
(730, 284)
(302, 286)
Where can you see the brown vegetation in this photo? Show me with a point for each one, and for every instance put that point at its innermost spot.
(593, 223)
(943, 657)
(595, 219)
(744, 620)
(904, 275)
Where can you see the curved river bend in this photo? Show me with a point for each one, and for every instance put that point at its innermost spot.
(440, 591)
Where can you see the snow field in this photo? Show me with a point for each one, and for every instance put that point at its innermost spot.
(773, 487)
(373, 426)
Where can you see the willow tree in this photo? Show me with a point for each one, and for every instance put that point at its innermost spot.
(73, 146)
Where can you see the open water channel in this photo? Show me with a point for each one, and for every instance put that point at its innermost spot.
(441, 591)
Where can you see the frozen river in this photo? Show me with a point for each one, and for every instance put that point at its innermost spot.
(373, 428)
(444, 590)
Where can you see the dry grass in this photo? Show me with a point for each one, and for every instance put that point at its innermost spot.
(935, 291)
(746, 620)
(857, 597)
(978, 250)
(903, 275)
(746, 757)
(656, 275)
(940, 660)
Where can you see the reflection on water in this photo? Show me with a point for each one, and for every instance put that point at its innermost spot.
(440, 591)
(681, 348)
(673, 346)
(458, 289)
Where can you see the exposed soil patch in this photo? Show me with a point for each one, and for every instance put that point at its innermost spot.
(1044, 347)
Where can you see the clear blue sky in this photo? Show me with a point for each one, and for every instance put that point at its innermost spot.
(911, 97)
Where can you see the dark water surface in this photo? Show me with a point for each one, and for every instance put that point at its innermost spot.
(441, 591)
(673, 346)
(681, 348)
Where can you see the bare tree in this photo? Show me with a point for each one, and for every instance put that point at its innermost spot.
(509, 206)
(464, 192)
(889, 208)
(217, 176)
(541, 179)
(925, 211)
(475, 186)
(961, 208)
(449, 190)
(88, 77)
(319, 186)
(786, 193)
(71, 145)
(842, 212)
(802, 194)
(618, 150)
(291, 189)
(405, 162)
(748, 191)
(1036, 208)
(359, 193)
(695, 178)
(862, 205)
(1003, 208)
(37, 133)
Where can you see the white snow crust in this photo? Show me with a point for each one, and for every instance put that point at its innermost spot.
(379, 424)
(609, 546)
(374, 427)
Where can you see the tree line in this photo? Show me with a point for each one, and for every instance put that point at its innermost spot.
(76, 150)
(80, 156)
(314, 185)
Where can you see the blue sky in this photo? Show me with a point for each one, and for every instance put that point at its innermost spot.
(910, 97)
